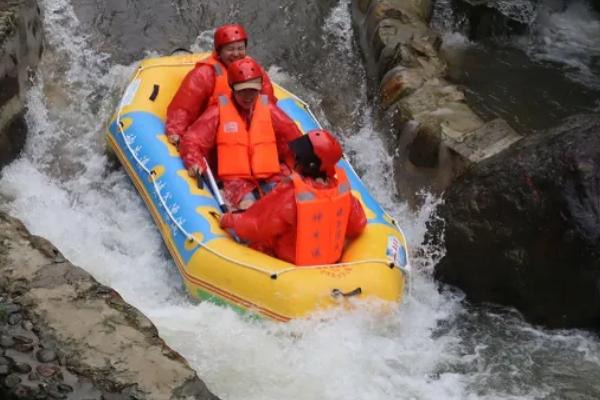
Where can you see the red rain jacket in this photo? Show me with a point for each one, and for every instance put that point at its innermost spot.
(200, 141)
(193, 96)
(270, 224)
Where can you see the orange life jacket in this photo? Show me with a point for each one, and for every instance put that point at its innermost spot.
(322, 219)
(242, 153)
(222, 87)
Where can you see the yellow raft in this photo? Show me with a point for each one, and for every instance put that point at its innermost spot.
(214, 266)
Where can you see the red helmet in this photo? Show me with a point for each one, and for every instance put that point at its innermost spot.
(326, 147)
(229, 33)
(316, 152)
(243, 70)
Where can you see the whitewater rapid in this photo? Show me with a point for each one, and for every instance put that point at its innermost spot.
(64, 188)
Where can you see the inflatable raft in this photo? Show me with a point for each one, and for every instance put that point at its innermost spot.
(215, 267)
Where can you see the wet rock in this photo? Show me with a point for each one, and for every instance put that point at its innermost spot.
(46, 370)
(400, 81)
(15, 319)
(486, 19)
(437, 112)
(47, 248)
(398, 33)
(403, 56)
(61, 358)
(19, 55)
(24, 392)
(10, 308)
(56, 394)
(57, 297)
(6, 361)
(27, 325)
(11, 381)
(6, 341)
(523, 228)
(22, 368)
(22, 339)
(45, 355)
(18, 287)
(24, 347)
(64, 388)
(115, 396)
(363, 5)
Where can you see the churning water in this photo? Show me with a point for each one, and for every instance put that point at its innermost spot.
(434, 347)
(535, 79)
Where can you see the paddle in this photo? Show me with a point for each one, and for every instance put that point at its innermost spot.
(212, 183)
(208, 176)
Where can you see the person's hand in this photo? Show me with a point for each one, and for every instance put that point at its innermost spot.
(174, 140)
(226, 221)
(195, 170)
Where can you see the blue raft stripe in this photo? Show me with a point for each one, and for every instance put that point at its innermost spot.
(297, 113)
(175, 189)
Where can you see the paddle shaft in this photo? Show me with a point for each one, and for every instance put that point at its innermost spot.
(212, 183)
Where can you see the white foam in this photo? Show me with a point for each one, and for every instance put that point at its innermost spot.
(339, 26)
(62, 189)
(523, 11)
(203, 42)
(569, 37)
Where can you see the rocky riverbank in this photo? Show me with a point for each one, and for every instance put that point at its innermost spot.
(436, 134)
(521, 219)
(65, 336)
(31, 368)
(21, 45)
(523, 228)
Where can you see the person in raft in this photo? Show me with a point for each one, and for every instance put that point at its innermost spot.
(307, 217)
(250, 134)
(208, 80)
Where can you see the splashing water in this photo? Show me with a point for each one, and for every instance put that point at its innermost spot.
(533, 80)
(430, 348)
(568, 37)
(523, 11)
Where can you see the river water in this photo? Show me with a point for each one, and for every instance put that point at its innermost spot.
(63, 188)
(533, 80)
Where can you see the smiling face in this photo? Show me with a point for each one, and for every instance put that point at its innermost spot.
(245, 98)
(230, 52)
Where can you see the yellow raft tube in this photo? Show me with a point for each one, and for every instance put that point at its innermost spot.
(213, 265)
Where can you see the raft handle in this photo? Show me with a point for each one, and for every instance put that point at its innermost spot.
(336, 293)
(154, 94)
(180, 50)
